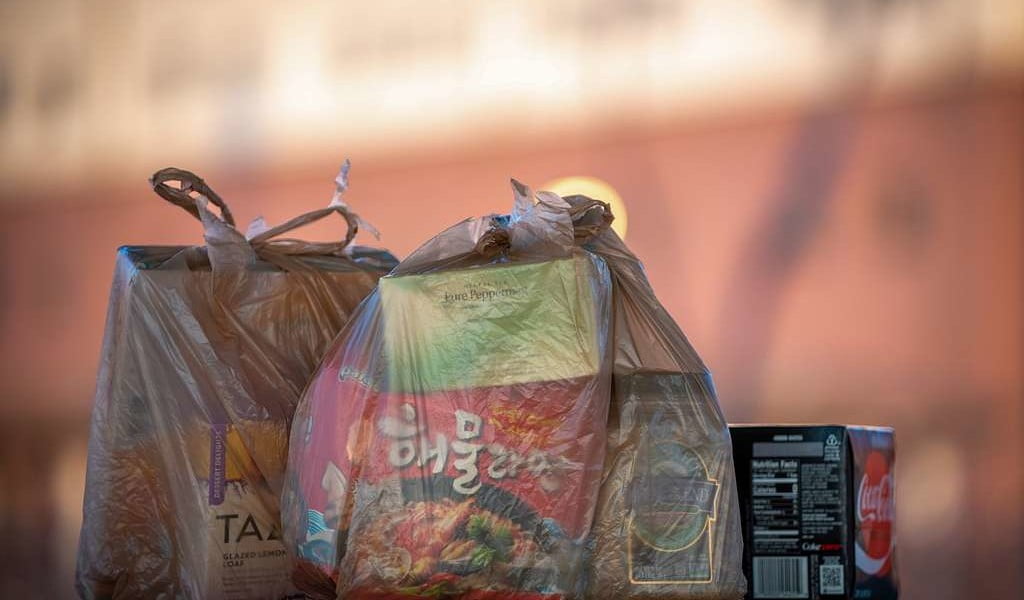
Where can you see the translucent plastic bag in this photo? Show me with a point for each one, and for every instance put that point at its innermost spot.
(206, 352)
(667, 523)
(448, 446)
(452, 443)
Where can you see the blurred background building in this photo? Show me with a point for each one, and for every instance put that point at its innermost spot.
(828, 195)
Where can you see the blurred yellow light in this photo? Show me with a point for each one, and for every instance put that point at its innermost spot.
(596, 189)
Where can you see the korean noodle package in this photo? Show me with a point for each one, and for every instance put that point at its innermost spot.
(452, 443)
(667, 521)
(206, 353)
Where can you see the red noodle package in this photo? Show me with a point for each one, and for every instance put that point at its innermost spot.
(206, 353)
(452, 443)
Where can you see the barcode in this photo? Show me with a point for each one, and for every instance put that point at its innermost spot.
(831, 579)
(780, 576)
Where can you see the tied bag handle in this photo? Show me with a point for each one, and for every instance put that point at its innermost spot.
(586, 217)
(226, 248)
(590, 217)
(182, 197)
(265, 240)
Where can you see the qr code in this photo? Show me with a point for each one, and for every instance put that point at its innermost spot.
(831, 577)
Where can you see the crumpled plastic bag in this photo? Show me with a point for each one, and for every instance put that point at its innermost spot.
(667, 523)
(206, 353)
(454, 442)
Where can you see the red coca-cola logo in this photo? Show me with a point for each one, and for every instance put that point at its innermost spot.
(875, 506)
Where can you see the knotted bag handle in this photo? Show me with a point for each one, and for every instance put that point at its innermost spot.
(581, 210)
(227, 247)
(587, 222)
(295, 246)
(584, 225)
(182, 197)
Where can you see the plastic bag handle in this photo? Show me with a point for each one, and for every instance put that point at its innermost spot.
(226, 248)
(580, 208)
(181, 197)
(293, 246)
(496, 239)
(584, 227)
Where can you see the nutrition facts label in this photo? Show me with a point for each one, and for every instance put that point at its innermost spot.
(797, 516)
(796, 494)
(775, 499)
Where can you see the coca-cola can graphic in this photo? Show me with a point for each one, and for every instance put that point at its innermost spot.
(874, 459)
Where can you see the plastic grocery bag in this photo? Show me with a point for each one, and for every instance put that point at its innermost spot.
(452, 442)
(206, 353)
(448, 445)
(667, 523)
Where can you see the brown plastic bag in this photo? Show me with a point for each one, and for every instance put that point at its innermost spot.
(451, 445)
(206, 352)
(373, 506)
(667, 520)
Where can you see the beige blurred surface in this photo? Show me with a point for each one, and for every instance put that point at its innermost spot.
(828, 196)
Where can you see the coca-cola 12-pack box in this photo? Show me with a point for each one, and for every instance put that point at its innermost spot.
(817, 504)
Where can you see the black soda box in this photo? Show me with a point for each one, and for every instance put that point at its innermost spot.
(816, 505)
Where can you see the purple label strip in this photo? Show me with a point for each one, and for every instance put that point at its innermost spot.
(218, 463)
